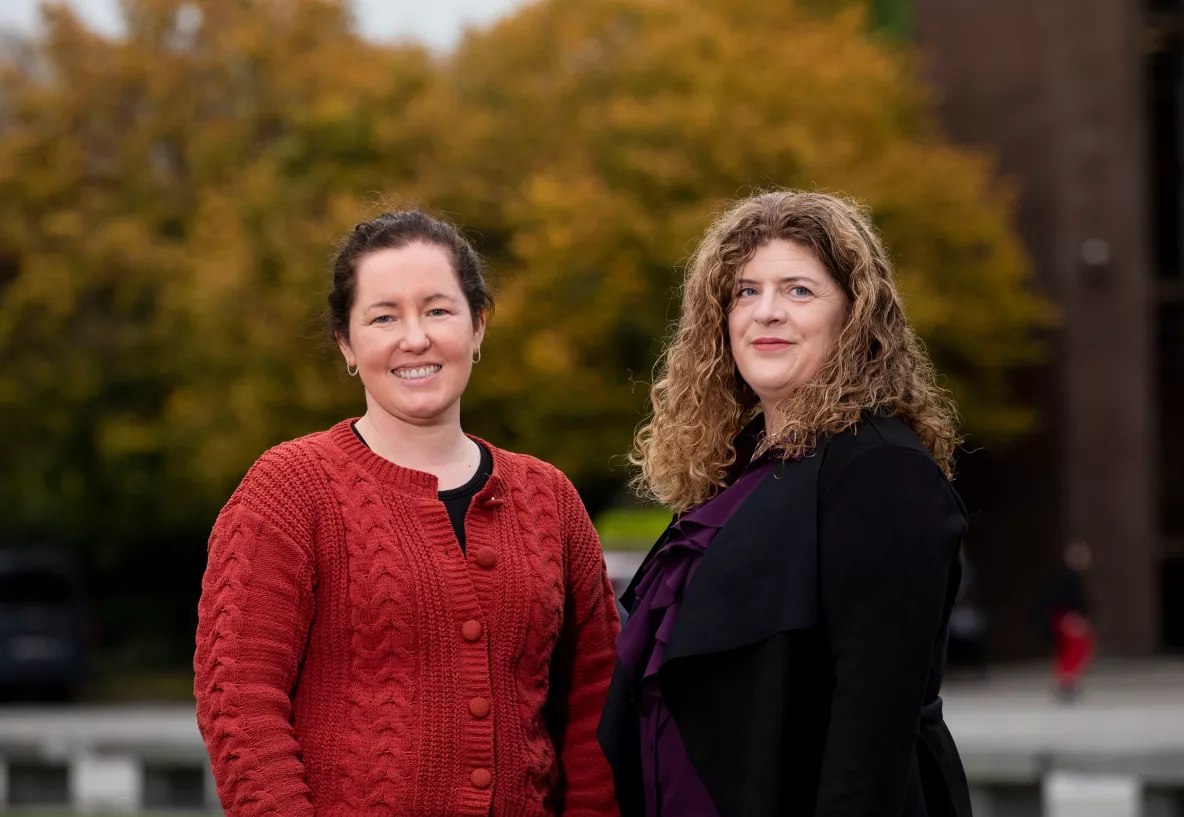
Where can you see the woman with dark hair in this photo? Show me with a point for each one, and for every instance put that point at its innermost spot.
(783, 652)
(397, 617)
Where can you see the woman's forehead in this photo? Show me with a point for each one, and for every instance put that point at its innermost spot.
(782, 261)
(411, 272)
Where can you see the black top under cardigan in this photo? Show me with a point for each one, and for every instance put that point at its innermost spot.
(803, 670)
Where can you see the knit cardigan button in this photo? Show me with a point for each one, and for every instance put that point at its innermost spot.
(471, 630)
(479, 707)
(481, 778)
(487, 558)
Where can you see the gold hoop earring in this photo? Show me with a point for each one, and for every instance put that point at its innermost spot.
(477, 359)
(354, 372)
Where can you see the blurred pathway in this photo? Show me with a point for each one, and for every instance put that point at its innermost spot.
(1129, 719)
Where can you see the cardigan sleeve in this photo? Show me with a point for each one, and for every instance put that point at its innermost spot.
(582, 666)
(253, 618)
(889, 527)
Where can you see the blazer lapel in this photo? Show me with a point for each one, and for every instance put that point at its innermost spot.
(759, 575)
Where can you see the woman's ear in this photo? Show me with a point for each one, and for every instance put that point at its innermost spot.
(479, 329)
(346, 351)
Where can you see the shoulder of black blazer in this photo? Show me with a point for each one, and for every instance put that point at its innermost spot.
(870, 433)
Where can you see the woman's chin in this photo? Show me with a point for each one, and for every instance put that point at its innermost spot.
(422, 409)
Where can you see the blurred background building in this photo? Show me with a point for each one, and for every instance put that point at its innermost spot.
(1081, 102)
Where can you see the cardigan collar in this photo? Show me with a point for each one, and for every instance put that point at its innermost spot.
(410, 480)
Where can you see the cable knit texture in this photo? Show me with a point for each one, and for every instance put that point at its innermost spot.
(352, 660)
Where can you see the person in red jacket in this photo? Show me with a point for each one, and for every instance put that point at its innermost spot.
(398, 618)
(1068, 618)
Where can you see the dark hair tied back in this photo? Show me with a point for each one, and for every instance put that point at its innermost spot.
(391, 231)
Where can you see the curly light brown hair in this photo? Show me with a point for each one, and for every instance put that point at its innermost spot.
(878, 365)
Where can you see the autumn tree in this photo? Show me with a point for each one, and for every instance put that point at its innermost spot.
(168, 200)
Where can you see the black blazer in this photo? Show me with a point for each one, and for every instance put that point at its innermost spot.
(804, 667)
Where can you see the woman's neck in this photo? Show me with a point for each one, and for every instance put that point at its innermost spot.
(437, 448)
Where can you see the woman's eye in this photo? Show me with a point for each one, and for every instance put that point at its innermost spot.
(746, 292)
(800, 292)
(384, 319)
(438, 313)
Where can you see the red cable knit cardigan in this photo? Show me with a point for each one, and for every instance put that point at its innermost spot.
(352, 661)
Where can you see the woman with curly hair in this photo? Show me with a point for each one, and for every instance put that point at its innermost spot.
(783, 654)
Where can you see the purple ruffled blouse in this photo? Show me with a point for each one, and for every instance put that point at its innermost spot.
(672, 787)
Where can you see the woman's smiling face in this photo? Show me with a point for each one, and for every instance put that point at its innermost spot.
(412, 334)
(786, 316)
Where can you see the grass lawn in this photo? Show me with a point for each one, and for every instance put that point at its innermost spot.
(139, 687)
(631, 528)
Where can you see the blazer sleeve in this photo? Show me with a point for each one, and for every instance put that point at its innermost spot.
(889, 528)
(582, 666)
(253, 618)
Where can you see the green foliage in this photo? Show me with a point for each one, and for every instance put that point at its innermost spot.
(631, 528)
(892, 17)
(168, 201)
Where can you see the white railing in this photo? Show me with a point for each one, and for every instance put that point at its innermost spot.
(125, 760)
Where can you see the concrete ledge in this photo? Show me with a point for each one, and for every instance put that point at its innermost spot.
(1002, 767)
(106, 783)
(1067, 794)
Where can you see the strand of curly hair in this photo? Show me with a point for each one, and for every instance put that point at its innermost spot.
(878, 365)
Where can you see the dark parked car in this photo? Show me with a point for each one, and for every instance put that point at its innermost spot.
(44, 645)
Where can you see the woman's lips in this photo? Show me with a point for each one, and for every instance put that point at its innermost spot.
(770, 344)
